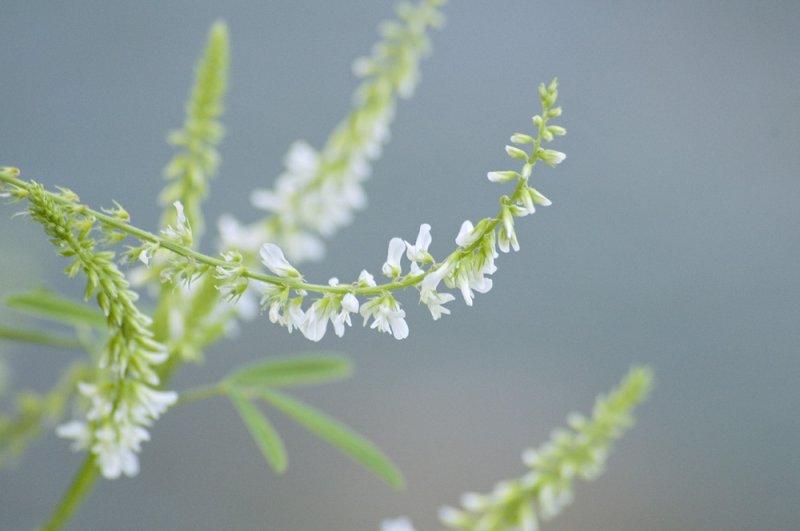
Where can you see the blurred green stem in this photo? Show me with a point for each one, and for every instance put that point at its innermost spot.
(81, 485)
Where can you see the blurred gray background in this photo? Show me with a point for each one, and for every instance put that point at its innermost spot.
(673, 240)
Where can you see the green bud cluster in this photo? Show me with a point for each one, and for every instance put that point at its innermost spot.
(189, 171)
(547, 487)
(123, 399)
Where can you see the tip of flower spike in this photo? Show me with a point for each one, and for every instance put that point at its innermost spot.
(9, 171)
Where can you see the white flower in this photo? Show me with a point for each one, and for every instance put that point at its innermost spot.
(469, 277)
(430, 297)
(303, 246)
(397, 524)
(302, 159)
(538, 198)
(349, 305)
(332, 307)
(266, 200)
(78, 431)
(419, 251)
(144, 256)
(366, 279)
(100, 405)
(507, 236)
(466, 235)
(472, 501)
(288, 313)
(552, 157)
(317, 316)
(505, 243)
(272, 257)
(501, 176)
(151, 403)
(234, 235)
(294, 315)
(387, 316)
(181, 232)
(392, 267)
(115, 448)
(452, 517)
(435, 302)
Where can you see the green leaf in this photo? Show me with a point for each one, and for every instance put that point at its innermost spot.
(40, 338)
(49, 305)
(290, 372)
(338, 435)
(262, 430)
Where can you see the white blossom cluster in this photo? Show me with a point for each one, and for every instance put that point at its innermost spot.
(541, 494)
(125, 403)
(320, 190)
(547, 488)
(467, 269)
(116, 423)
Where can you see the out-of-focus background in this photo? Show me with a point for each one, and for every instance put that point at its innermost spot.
(673, 240)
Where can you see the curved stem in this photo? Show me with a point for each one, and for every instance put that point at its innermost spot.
(9, 176)
(81, 485)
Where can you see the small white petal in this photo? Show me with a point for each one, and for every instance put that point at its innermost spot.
(350, 303)
(266, 200)
(392, 267)
(366, 279)
(272, 257)
(465, 234)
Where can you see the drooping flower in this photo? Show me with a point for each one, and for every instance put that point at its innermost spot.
(320, 312)
(551, 157)
(317, 317)
(430, 297)
(469, 276)
(507, 236)
(349, 305)
(466, 235)
(386, 314)
(78, 431)
(181, 233)
(272, 257)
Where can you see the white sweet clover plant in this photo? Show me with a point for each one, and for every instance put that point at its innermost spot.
(120, 388)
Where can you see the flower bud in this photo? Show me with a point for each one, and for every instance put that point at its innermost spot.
(501, 176)
(552, 157)
(519, 138)
(516, 153)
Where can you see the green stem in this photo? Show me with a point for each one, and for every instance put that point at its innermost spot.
(9, 175)
(201, 393)
(81, 485)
